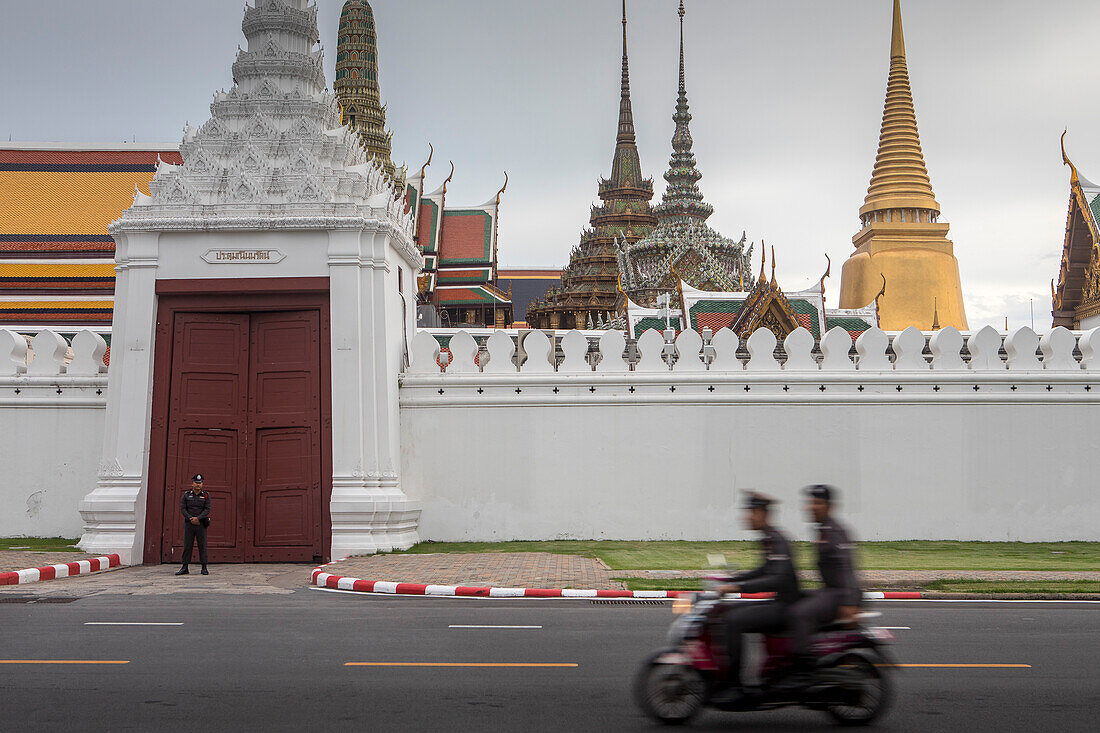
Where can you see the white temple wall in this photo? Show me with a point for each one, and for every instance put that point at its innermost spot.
(50, 453)
(52, 400)
(667, 471)
(999, 445)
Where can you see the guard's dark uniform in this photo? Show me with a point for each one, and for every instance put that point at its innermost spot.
(194, 504)
(776, 575)
(834, 561)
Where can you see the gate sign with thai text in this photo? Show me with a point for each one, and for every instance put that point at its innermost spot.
(243, 256)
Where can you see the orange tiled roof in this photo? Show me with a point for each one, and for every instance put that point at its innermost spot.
(56, 205)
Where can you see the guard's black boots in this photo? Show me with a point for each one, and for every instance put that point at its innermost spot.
(205, 571)
(183, 571)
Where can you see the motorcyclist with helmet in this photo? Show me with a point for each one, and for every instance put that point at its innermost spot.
(775, 575)
(841, 596)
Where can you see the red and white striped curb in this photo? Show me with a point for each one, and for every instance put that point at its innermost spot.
(338, 582)
(64, 570)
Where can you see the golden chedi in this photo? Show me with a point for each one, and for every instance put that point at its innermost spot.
(903, 246)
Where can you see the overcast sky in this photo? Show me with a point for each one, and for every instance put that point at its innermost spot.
(787, 97)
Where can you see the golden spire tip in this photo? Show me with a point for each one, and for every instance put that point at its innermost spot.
(897, 43)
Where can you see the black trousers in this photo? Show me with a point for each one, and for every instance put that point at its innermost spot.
(190, 532)
(818, 608)
(762, 617)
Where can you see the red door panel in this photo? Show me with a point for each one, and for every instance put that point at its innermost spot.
(206, 427)
(284, 478)
(285, 414)
(283, 396)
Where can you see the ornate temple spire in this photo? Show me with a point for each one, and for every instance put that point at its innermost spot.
(682, 247)
(357, 85)
(590, 283)
(903, 241)
(900, 178)
(682, 196)
(626, 171)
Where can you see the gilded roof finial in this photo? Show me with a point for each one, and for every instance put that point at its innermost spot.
(428, 162)
(1074, 178)
(935, 314)
(450, 177)
(773, 264)
(828, 272)
(763, 258)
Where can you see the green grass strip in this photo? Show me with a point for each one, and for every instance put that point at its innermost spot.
(39, 544)
(911, 555)
(1015, 586)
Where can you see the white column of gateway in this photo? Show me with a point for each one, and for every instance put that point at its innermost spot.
(272, 171)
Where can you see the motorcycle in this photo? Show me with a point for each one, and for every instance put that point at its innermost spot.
(849, 679)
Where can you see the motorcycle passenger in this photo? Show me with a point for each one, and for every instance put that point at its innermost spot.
(841, 597)
(775, 575)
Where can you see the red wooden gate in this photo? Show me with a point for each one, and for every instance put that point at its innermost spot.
(246, 408)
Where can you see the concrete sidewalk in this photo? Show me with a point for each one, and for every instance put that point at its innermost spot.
(157, 580)
(505, 570)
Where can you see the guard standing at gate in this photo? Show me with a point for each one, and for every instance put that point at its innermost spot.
(195, 508)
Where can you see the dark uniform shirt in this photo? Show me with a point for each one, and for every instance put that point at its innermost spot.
(834, 561)
(777, 574)
(195, 504)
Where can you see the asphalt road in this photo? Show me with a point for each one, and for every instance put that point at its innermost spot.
(276, 663)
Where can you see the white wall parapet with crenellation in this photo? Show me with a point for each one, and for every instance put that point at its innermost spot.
(52, 401)
(875, 351)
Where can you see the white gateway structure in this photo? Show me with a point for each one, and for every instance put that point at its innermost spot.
(264, 300)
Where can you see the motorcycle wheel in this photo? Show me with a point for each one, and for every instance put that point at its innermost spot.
(669, 693)
(875, 693)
